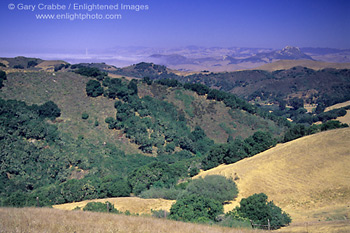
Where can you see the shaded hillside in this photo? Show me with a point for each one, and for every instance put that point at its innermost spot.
(303, 176)
(325, 86)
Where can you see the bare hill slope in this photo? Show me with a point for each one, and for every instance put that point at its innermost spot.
(308, 177)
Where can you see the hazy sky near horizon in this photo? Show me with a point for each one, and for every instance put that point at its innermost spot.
(174, 23)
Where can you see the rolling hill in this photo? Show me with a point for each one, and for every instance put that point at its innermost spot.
(293, 78)
(307, 177)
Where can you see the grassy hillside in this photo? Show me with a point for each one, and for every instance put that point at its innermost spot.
(217, 120)
(67, 90)
(52, 220)
(307, 177)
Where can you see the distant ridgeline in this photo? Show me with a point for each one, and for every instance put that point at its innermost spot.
(273, 91)
(325, 87)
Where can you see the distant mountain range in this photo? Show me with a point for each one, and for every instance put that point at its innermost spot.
(239, 58)
(197, 58)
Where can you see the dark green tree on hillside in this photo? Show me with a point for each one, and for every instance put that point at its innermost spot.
(259, 210)
(296, 103)
(215, 187)
(238, 149)
(194, 208)
(2, 78)
(94, 88)
(49, 110)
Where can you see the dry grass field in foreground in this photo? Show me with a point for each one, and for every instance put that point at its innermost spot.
(52, 220)
(309, 177)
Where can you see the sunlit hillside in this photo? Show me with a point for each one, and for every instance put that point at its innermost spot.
(308, 177)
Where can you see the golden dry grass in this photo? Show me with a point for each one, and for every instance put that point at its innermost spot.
(52, 220)
(134, 205)
(309, 177)
(315, 65)
(343, 119)
(340, 105)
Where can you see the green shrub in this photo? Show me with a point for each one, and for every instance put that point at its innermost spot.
(100, 207)
(31, 64)
(215, 187)
(193, 208)
(18, 67)
(94, 88)
(259, 210)
(84, 116)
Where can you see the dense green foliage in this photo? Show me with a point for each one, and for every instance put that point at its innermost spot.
(215, 187)
(156, 174)
(2, 78)
(94, 88)
(100, 207)
(238, 149)
(39, 161)
(32, 64)
(194, 208)
(259, 210)
(301, 130)
(88, 71)
(150, 122)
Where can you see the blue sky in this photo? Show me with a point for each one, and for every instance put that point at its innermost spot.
(175, 23)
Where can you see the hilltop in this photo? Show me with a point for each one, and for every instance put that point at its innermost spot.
(307, 177)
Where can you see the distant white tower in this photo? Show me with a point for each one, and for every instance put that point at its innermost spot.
(86, 52)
